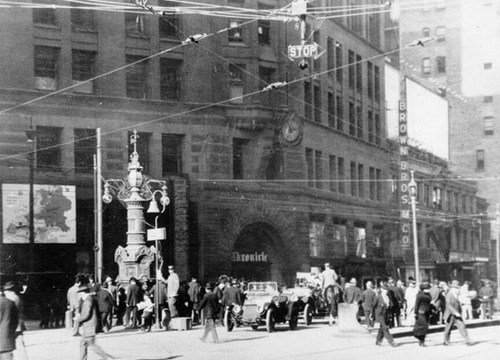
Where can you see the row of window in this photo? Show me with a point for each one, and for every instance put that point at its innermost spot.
(440, 33)
(49, 152)
(460, 239)
(337, 179)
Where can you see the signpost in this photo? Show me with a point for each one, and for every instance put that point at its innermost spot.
(305, 51)
(157, 234)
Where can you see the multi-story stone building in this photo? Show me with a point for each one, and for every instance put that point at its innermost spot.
(263, 183)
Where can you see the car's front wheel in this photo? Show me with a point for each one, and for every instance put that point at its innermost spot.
(270, 320)
(228, 320)
(293, 322)
(308, 314)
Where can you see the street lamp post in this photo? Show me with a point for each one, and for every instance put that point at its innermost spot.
(497, 214)
(31, 135)
(412, 187)
(158, 234)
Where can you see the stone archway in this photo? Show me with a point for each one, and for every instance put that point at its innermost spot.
(256, 255)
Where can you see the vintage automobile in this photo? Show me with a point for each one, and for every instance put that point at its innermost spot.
(264, 305)
(310, 302)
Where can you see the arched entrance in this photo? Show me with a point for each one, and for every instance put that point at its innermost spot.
(255, 256)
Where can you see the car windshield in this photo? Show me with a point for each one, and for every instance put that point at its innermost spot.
(263, 287)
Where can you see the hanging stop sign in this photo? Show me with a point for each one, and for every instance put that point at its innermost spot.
(302, 51)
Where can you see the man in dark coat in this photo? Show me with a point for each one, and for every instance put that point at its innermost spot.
(369, 296)
(12, 292)
(380, 308)
(210, 306)
(89, 321)
(133, 298)
(397, 298)
(422, 313)
(231, 295)
(8, 325)
(106, 302)
(453, 314)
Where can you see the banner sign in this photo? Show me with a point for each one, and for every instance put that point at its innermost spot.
(404, 175)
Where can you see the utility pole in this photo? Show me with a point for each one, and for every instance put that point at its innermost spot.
(99, 206)
(31, 135)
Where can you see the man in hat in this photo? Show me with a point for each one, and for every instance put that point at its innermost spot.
(368, 299)
(410, 299)
(133, 298)
(231, 295)
(8, 325)
(329, 277)
(210, 306)
(89, 321)
(380, 308)
(453, 314)
(172, 290)
(486, 295)
(353, 294)
(11, 292)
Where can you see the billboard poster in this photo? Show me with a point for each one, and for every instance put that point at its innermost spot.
(54, 214)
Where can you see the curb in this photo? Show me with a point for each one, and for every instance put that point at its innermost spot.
(440, 328)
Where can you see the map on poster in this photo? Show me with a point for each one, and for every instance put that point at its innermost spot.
(54, 214)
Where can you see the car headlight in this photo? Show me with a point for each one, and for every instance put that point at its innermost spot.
(237, 309)
(260, 308)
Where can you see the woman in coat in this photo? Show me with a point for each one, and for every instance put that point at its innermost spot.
(422, 313)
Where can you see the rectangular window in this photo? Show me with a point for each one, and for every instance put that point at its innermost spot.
(371, 127)
(318, 167)
(378, 179)
(48, 148)
(426, 195)
(361, 180)
(371, 177)
(339, 112)
(426, 66)
(352, 119)
(46, 67)
(316, 238)
(236, 82)
(352, 70)
(136, 78)
(238, 158)
(488, 99)
(235, 33)
(83, 70)
(341, 175)
(353, 179)
(339, 63)
(330, 55)
(359, 122)
(82, 19)
(488, 125)
(377, 84)
(317, 61)
(479, 160)
(317, 104)
(339, 239)
(171, 152)
(426, 32)
(308, 101)
(263, 29)
(44, 15)
(136, 24)
(369, 77)
(436, 198)
(332, 166)
(310, 167)
(441, 33)
(143, 144)
(331, 110)
(378, 129)
(360, 239)
(487, 66)
(168, 23)
(170, 79)
(441, 64)
(359, 74)
(85, 149)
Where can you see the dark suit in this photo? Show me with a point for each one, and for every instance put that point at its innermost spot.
(89, 320)
(453, 316)
(369, 296)
(380, 308)
(231, 295)
(133, 298)
(106, 302)
(397, 298)
(210, 306)
(8, 324)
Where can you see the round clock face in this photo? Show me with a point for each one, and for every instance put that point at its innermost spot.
(291, 130)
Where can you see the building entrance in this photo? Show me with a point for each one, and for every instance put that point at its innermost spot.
(254, 255)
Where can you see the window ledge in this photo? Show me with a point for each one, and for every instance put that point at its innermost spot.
(48, 26)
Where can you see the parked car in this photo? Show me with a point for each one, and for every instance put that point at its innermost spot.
(264, 305)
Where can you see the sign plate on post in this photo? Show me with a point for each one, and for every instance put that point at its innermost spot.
(157, 234)
(301, 51)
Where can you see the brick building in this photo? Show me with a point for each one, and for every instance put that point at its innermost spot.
(262, 185)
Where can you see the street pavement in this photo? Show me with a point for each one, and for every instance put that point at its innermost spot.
(318, 341)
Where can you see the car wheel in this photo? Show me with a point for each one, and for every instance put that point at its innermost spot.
(270, 320)
(254, 327)
(228, 320)
(293, 322)
(308, 316)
